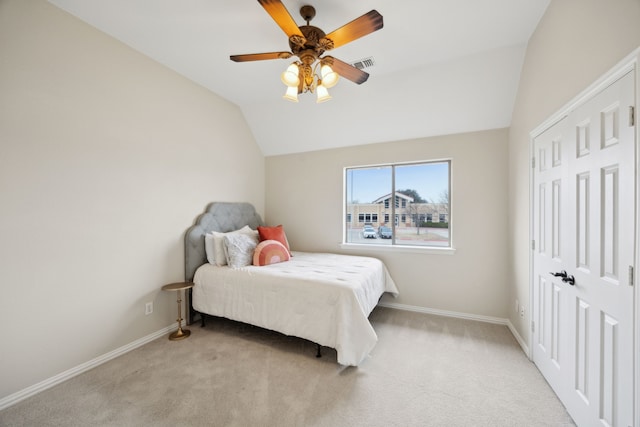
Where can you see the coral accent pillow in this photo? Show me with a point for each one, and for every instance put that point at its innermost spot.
(274, 233)
(270, 252)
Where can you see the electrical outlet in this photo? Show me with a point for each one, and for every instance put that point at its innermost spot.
(148, 308)
(522, 311)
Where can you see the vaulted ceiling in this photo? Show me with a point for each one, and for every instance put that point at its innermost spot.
(440, 67)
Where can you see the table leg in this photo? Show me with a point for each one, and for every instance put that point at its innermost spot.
(180, 333)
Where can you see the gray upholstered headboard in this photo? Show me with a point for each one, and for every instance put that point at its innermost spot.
(223, 217)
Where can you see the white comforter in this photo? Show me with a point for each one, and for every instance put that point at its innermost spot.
(325, 298)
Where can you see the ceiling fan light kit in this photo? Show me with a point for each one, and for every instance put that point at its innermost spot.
(329, 77)
(291, 94)
(291, 76)
(309, 43)
(299, 78)
(323, 94)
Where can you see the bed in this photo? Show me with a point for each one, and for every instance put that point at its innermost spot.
(322, 297)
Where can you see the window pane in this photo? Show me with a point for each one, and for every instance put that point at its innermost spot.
(420, 207)
(364, 188)
(427, 187)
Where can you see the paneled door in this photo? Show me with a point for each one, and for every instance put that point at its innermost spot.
(549, 308)
(583, 225)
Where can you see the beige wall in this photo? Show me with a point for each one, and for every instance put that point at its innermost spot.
(106, 158)
(304, 193)
(575, 43)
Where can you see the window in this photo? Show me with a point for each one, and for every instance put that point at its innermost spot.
(420, 193)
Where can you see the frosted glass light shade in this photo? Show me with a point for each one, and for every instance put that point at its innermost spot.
(291, 94)
(323, 94)
(290, 76)
(329, 77)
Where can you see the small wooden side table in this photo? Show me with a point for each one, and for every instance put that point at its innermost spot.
(179, 287)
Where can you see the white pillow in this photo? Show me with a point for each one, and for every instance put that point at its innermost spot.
(240, 247)
(215, 248)
(209, 249)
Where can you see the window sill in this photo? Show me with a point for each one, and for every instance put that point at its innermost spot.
(431, 250)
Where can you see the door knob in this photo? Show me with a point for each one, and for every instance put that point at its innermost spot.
(570, 280)
(562, 274)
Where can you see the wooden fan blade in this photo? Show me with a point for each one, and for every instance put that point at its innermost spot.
(281, 15)
(347, 71)
(359, 27)
(260, 56)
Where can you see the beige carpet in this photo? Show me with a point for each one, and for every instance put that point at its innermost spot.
(425, 371)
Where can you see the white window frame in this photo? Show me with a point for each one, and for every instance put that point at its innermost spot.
(441, 250)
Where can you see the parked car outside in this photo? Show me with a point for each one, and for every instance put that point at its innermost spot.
(368, 232)
(384, 232)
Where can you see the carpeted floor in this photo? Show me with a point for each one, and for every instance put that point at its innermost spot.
(425, 371)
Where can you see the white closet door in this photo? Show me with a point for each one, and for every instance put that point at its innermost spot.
(549, 308)
(584, 323)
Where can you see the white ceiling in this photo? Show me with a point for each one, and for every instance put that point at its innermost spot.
(441, 66)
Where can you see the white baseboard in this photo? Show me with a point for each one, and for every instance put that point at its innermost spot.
(467, 316)
(446, 313)
(518, 338)
(14, 398)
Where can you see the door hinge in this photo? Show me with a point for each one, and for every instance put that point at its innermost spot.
(632, 116)
(533, 163)
(631, 275)
(533, 326)
(533, 245)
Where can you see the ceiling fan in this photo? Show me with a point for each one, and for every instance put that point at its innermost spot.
(309, 43)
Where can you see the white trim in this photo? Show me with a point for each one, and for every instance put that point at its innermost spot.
(623, 67)
(636, 383)
(344, 194)
(459, 315)
(532, 238)
(628, 64)
(518, 338)
(429, 250)
(446, 313)
(14, 398)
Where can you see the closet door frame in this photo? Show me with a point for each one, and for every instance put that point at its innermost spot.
(631, 63)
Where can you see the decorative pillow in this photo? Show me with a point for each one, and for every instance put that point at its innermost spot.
(240, 249)
(270, 252)
(219, 255)
(209, 248)
(274, 233)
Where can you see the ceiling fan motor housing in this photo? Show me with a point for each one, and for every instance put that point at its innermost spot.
(314, 39)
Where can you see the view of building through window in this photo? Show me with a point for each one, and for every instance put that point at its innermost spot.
(399, 204)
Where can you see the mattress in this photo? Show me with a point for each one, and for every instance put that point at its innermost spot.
(325, 298)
